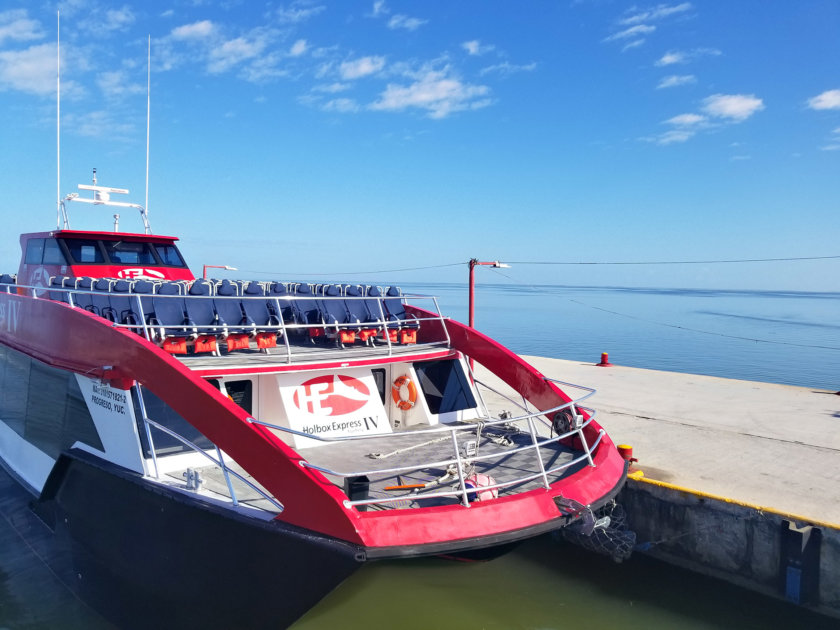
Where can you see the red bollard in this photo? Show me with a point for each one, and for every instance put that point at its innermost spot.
(605, 360)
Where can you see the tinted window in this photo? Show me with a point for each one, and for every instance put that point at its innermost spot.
(169, 255)
(52, 253)
(34, 251)
(126, 253)
(379, 379)
(240, 392)
(444, 386)
(44, 405)
(84, 251)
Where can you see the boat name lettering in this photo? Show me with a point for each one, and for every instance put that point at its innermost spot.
(349, 426)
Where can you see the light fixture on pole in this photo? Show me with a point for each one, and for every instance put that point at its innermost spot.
(206, 267)
(474, 262)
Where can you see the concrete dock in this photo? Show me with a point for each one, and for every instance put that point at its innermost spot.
(741, 480)
(771, 445)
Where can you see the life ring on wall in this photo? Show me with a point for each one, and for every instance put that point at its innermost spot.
(396, 391)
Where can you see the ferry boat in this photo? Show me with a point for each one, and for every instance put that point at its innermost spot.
(232, 450)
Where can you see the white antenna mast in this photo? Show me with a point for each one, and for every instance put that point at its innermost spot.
(58, 120)
(148, 114)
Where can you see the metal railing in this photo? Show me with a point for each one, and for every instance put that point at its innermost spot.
(459, 461)
(218, 460)
(157, 332)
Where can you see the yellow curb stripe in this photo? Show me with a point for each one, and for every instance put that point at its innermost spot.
(716, 497)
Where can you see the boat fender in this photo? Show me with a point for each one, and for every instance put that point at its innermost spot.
(478, 481)
(397, 392)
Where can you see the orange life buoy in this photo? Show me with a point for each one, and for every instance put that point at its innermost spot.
(396, 391)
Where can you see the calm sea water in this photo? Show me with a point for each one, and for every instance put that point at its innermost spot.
(543, 584)
(778, 337)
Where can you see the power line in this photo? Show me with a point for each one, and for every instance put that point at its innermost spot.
(353, 273)
(673, 262)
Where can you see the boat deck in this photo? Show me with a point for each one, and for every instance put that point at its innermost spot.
(421, 453)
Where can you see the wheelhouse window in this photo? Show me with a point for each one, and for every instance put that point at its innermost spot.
(444, 386)
(34, 251)
(129, 253)
(84, 252)
(169, 255)
(52, 253)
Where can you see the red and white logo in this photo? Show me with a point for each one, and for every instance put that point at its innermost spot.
(331, 395)
(135, 273)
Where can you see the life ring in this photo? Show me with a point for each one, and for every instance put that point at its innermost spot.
(396, 392)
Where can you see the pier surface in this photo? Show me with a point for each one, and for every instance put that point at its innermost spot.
(775, 446)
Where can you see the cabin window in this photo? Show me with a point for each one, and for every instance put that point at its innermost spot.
(241, 392)
(129, 253)
(34, 251)
(44, 405)
(158, 411)
(444, 386)
(169, 255)
(84, 252)
(52, 253)
(379, 379)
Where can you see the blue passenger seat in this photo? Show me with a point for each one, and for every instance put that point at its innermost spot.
(236, 326)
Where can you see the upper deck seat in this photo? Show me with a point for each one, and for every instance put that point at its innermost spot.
(395, 308)
(341, 324)
(169, 317)
(283, 307)
(307, 311)
(124, 306)
(236, 325)
(84, 300)
(100, 300)
(7, 280)
(202, 317)
(145, 289)
(58, 296)
(262, 311)
(369, 323)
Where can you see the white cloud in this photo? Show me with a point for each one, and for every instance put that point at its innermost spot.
(361, 67)
(100, 124)
(476, 48)
(408, 23)
(31, 70)
(658, 12)
(115, 84)
(379, 8)
(676, 80)
(298, 48)
(830, 147)
(829, 99)
(118, 19)
(331, 88)
(233, 52)
(633, 31)
(506, 68)
(168, 13)
(672, 137)
(341, 105)
(297, 12)
(740, 158)
(686, 120)
(16, 25)
(734, 107)
(436, 91)
(196, 30)
(634, 44)
(685, 56)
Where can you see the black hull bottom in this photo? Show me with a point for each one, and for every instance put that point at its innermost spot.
(143, 556)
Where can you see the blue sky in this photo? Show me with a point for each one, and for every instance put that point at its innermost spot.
(327, 137)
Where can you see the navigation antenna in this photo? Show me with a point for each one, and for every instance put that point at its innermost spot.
(101, 194)
(58, 204)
